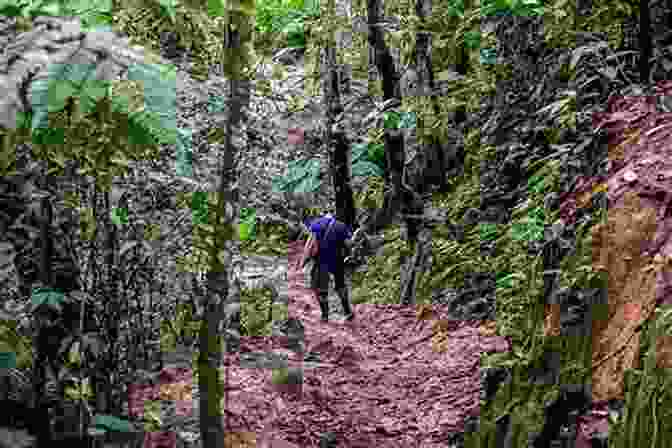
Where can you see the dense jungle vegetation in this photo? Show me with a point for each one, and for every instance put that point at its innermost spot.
(481, 118)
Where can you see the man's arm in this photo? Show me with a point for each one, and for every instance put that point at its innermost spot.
(307, 249)
(349, 242)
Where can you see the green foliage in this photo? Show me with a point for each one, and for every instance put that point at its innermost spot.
(489, 231)
(269, 239)
(199, 206)
(529, 228)
(92, 13)
(281, 16)
(199, 30)
(255, 306)
(184, 156)
(170, 8)
(647, 391)
(399, 120)
(365, 168)
(472, 39)
(456, 8)
(80, 391)
(368, 159)
(371, 197)
(512, 7)
(488, 56)
(303, 177)
(130, 129)
(376, 154)
(15, 348)
(112, 423)
(179, 328)
(47, 298)
(248, 224)
(119, 216)
(7, 360)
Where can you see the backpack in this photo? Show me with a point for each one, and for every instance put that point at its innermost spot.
(312, 247)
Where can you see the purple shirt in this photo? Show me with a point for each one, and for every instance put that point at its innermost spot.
(331, 245)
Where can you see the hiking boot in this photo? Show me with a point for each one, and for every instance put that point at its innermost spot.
(345, 303)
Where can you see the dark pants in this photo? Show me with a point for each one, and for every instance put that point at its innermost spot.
(319, 279)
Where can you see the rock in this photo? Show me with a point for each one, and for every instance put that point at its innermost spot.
(471, 217)
(561, 415)
(328, 440)
(289, 56)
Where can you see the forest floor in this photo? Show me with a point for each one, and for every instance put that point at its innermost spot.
(380, 380)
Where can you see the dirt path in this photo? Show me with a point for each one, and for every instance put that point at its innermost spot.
(378, 382)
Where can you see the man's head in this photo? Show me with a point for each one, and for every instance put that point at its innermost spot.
(329, 212)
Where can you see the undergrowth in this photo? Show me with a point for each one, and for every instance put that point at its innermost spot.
(254, 317)
(270, 239)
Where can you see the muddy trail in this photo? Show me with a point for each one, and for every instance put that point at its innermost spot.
(379, 380)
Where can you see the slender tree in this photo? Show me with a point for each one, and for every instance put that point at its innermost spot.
(644, 43)
(393, 139)
(237, 56)
(337, 142)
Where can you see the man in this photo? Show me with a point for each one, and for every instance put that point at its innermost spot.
(333, 237)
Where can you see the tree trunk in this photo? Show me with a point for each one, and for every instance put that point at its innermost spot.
(394, 165)
(434, 171)
(415, 266)
(42, 257)
(383, 58)
(337, 141)
(393, 139)
(345, 202)
(644, 43)
(227, 210)
(445, 157)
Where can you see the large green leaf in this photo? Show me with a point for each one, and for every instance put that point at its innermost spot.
(160, 95)
(170, 8)
(376, 154)
(48, 297)
(364, 168)
(199, 206)
(248, 224)
(90, 13)
(91, 94)
(10, 8)
(472, 39)
(407, 120)
(112, 423)
(488, 55)
(7, 360)
(303, 176)
(391, 120)
(183, 162)
(359, 152)
(307, 185)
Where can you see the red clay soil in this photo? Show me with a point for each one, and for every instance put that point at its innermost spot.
(381, 383)
(641, 165)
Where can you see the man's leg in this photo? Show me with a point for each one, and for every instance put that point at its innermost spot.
(324, 306)
(320, 285)
(342, 291)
